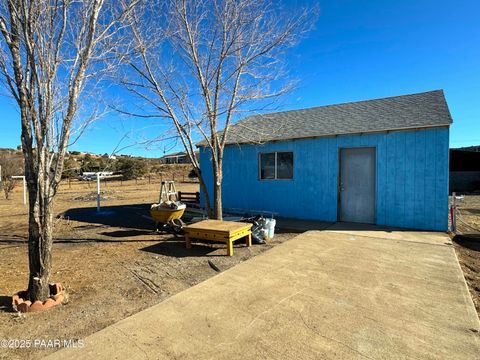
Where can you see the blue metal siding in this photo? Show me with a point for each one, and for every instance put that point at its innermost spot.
(411, 179)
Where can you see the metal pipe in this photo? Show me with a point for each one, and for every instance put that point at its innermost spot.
(98, 192)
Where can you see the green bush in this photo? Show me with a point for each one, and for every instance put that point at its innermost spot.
(132, 168)
(70, 168)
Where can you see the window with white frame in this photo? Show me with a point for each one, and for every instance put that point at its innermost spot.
(276, 166)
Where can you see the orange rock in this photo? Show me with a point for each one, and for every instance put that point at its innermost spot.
(59, 298)
(49, 303)
(21, 304)
(24, 307)
(36, 306)
(16, 300)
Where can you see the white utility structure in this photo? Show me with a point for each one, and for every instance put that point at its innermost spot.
(24, 187)
(453, 211)
(101, 175)
(98, 192)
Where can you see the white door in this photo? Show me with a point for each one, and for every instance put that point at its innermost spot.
(357, 185)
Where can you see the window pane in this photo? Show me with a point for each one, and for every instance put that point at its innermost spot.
(284, 165)
(267, 166)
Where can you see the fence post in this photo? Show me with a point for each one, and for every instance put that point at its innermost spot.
(453, 213)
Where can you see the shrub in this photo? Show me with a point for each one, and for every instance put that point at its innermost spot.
(192, 174)
(132, 168)
(11, 166)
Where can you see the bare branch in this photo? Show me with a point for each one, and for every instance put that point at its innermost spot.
(206, 63)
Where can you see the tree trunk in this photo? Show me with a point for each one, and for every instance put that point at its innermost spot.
(217, 192)
(40, 231)
(206, 196)
(39, 252)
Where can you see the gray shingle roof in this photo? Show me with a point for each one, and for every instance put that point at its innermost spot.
(428, 109)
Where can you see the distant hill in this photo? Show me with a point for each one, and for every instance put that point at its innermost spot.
(9, 151)
(475, 148)
(77, 162)
(80, 155)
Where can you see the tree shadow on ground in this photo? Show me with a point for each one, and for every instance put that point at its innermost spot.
(93, 240)
(135, 216)
(127, 233)
(13, 241)
(472, 211)
(469, 241)
(17, 243)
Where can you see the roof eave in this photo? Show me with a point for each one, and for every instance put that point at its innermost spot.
(336, 134)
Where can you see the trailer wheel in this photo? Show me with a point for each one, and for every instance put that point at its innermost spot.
(177, 225)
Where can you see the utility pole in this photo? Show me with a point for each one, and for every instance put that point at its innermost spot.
(98, 192)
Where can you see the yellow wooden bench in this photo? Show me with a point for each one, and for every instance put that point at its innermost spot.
(217, 230)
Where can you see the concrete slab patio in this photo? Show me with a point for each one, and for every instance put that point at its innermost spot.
(340, 294)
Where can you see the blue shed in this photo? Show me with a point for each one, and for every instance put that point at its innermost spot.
(382, 161)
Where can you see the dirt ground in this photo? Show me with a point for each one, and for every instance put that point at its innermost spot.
(112, 265)
(467, 244)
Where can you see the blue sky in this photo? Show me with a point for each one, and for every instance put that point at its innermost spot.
(359, 50)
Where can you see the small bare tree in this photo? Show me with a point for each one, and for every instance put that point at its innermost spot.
(52, 53)
(204, 63)
(10, 165)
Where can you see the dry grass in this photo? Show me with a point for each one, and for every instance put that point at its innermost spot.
(467, 244)
(112, 266)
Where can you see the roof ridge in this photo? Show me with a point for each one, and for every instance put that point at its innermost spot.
(342, 103)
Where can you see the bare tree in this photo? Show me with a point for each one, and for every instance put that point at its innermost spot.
(52, 53)
(10, 165)
(204, 63)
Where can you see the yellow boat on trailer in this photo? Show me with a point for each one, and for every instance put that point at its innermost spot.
(164, 214)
